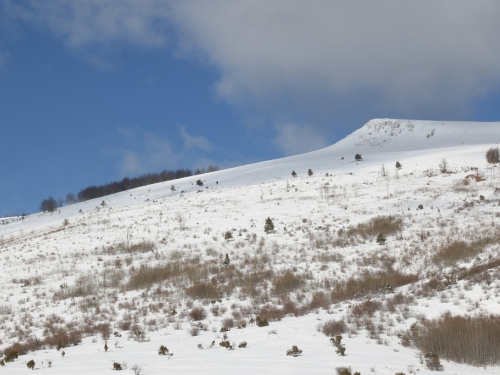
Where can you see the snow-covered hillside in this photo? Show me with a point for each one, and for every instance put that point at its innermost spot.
(172, 263)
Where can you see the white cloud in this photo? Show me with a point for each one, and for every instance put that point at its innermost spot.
(144, 151)
(194, 141)
(295, 139)
(421, 56)
(85, 22)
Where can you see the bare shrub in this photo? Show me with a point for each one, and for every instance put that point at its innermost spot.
(84, 286)
(368, 308)
(319, 300)
(271, 312)
(203, 291)
(470, 340)
(105, 330)
(381, 224)
(197, 313)
(398, 299)
(286, 283)
(138, 333)
(461, 251)
(228, 322)
(333, 327)
(194, 330)
(370, 283)
(478, 269)
(493, 155)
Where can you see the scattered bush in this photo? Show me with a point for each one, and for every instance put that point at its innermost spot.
(493, 156)
(333, 327)
(368, 307)
(294, 352)
(198, 313)
(398, 165)
(358, 157)
(242, 344)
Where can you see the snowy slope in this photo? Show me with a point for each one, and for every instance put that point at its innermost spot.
(73, 267)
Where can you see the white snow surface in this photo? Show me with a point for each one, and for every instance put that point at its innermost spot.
(44, 254)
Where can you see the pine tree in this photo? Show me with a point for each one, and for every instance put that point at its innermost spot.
(269, 226)
(358, 157)
(227, 261)
(310, 172)
(381, 239)
(294, 174)
(398, 165)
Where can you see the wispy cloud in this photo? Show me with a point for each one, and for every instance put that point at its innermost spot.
(197, 141)
(294, 139)
(143, 151)
(86, 22)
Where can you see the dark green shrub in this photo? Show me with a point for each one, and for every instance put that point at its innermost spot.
(337, 342)
(381, 239)
(117, 366)
(163, 350)
(294, 352)
(226, 344)
(31, 364)
(242, 344)
(261, 322)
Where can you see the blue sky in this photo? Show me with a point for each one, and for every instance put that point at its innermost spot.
(92, 91)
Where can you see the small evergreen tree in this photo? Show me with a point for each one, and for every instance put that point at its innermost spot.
(269, 226)
(337, 342)
(228, 235)
(381, 239)
(310, 172)
(398, 165)
(358, 157)
(226, 261)
(294, 174)
(106, 346)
